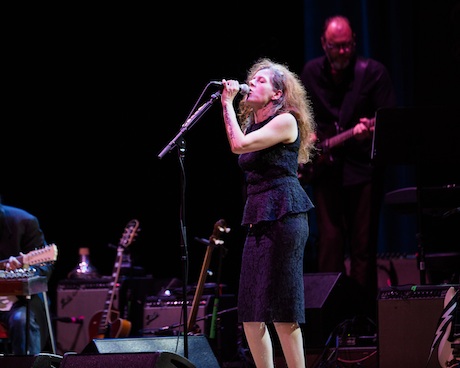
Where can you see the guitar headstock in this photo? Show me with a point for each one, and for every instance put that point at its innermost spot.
(39, 256)
(220, 228)
(130, 232)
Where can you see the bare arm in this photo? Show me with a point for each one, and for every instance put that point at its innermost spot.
(282, 129)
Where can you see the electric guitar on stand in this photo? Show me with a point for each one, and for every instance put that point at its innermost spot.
(107, 323)
(449, 345)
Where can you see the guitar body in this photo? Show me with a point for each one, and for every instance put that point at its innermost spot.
(119, 327)
(446, 356)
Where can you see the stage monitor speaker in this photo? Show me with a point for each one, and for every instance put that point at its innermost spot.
(82, 304)
(327, 303)
(408, 317)
(199, 350)
(132, 360)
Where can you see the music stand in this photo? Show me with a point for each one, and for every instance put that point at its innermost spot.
(428, 139)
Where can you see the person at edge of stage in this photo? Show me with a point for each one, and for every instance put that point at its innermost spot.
(20, 233)
(347, 186)
(271, 132)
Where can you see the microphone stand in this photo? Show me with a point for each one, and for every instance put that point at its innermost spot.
(178, 141)
(189, 124)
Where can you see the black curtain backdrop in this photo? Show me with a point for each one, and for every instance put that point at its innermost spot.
(93, 94)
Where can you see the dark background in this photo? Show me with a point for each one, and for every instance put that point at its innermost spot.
(93, 94)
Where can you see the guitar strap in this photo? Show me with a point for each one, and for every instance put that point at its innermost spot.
(446, 317)
(348, 103)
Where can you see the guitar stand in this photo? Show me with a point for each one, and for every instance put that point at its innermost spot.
(48, 321)
(75, 339)
(108, 331)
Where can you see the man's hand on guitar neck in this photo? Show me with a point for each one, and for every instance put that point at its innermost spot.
(364, 129)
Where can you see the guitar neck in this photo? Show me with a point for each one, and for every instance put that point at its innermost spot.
(342, 137)
(199, 288)
(337, 139)
(108, 305)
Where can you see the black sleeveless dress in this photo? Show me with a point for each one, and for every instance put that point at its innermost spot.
(271, 285)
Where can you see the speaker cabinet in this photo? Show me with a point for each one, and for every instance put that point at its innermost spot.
(328, 301)
(408, 317)
(131, 360)
(199, 350)
(82, 303)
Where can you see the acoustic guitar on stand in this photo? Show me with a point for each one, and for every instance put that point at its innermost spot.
(107, 323)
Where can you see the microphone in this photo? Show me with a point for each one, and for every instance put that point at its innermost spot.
(244, 88)
(77, 320)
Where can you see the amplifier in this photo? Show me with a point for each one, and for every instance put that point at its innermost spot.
(77, 301)
(411, 292)
(164, 315)
(79, 284)
(408, 317)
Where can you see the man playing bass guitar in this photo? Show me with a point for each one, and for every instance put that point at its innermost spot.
(346, 90)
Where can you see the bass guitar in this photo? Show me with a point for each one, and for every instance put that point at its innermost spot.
(107, 322)
(324, 157)
(449, 345)
(43, 255)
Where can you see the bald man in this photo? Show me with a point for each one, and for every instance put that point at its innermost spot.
(346, 90)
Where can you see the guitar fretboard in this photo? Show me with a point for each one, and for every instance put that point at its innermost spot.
(336, 140)
(105, 317)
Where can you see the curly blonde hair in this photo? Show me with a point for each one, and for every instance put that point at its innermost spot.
(294, 100)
